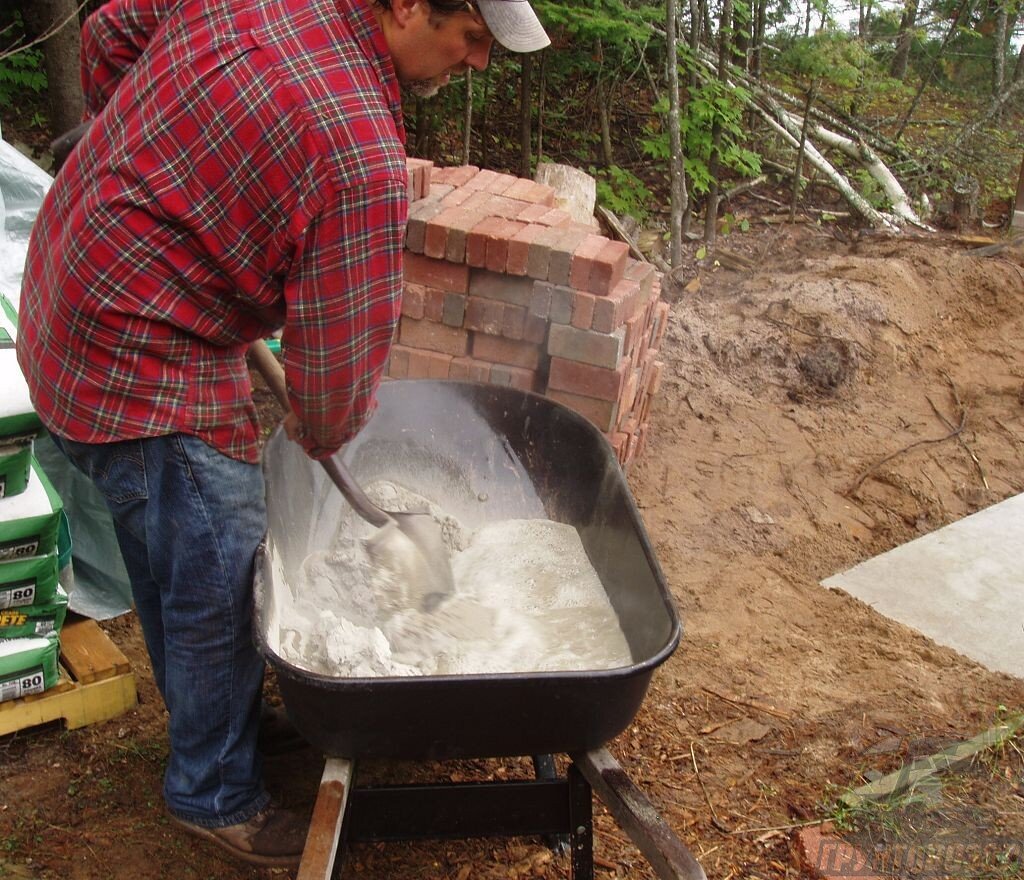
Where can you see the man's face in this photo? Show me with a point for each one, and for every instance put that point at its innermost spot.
(440, 47)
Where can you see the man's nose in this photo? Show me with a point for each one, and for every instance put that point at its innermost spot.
(481, 55)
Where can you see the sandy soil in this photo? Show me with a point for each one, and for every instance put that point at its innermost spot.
(786, 446)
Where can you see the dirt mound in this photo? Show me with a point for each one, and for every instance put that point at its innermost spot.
(833, 403)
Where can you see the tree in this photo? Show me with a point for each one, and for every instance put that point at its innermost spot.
(54, 23)
(904, 39)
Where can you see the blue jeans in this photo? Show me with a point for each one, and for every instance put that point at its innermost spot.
(188, 520)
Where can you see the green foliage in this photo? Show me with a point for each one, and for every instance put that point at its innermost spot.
(621, 191)
(826, 55)
(711, 102)
(20, 72)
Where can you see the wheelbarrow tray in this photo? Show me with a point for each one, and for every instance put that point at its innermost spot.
(484, 453)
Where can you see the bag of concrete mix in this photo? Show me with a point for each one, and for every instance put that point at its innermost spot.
(29, 581)
(29, 520)
(19, 423)
(35, 620)
(28, 666)
(15, 466)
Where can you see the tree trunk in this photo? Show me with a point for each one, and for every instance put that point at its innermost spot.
(999, 39)
(57, 22)
(541, 95)
(525, 116)
(760, 20)
(904, 40)
(604, 113)
(1018, 68)
(714, 163)
(800, 152)
(678, 197)
(696, 20)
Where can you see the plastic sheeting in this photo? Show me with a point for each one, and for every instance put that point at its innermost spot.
(100, 587)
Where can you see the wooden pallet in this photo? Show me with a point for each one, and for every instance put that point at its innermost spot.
(96, 684)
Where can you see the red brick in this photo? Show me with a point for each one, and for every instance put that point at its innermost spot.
(607, 267)
(533, 214)
(428, 364)
(412, 300)
(484, 315)
(456, 197)
(513, 377)
(583, 260)
(501, 184)
(562, 250)
(627, 400)
(498, 244)
(477, 238)
(456, 175)
(601, 413)
(494, 205)
(582, 310)
(453, 311)
(433, 304)
(622, 302)
(470, 369)
(538, 256)
(500, 350)
(634, 327)
(540, 299)
(519, 248)
(535, 329)
(826, 856)
(586, 346)
(643, 273)
(439, 190)
(560, 311)
(436, 273)
(513, 322)
(587, 380)
(459, 226)
(530, 191)
(420, 214)
(505, 288)
(556, 217)
(398, 362)
(661, 311)
(482, 179)
(656, 374)
(433, 337)
(619, 442)
(438, 228)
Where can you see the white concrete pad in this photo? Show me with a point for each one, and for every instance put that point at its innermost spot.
(962, 585)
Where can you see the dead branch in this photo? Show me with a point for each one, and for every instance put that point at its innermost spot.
(926, 441)
(15, 48)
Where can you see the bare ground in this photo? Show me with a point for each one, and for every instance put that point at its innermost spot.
(840, 399)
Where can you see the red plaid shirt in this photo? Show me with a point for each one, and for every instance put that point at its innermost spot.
(245, 170)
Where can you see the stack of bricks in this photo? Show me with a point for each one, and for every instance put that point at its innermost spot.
(503, 287)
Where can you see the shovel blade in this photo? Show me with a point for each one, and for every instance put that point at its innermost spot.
(412, 550)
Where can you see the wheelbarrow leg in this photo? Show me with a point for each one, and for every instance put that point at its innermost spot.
(637, 816)
(581, 826)
(325, 826)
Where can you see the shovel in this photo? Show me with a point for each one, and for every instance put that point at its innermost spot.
(409, 545)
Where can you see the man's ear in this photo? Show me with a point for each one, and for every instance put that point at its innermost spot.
(403, 11)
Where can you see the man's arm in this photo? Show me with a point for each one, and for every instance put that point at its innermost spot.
(113, 38)
(343, 296)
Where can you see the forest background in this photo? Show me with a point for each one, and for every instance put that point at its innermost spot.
(692, 116)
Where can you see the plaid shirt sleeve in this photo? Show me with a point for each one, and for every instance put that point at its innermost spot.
(113, 38)
(342, 311)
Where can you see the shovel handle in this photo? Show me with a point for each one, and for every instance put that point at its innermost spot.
(273, 374)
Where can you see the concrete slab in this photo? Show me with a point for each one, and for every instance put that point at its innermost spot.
(962, 585)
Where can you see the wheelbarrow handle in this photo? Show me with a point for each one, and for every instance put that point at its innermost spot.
(273, 374)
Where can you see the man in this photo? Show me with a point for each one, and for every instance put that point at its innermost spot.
(244, 171)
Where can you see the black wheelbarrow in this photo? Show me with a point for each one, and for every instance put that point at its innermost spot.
(486, 454)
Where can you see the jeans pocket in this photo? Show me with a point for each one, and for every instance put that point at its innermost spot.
(118, 470)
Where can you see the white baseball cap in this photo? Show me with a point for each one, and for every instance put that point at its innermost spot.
(514, 24)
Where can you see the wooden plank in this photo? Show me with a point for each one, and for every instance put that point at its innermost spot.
(919, 772)
(636, 815)
(325, 825)
(89, 654)
(83, 704)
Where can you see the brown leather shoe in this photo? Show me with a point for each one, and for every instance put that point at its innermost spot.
(273, 838)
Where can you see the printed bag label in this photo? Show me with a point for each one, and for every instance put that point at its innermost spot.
(29, 681)
(17, 593)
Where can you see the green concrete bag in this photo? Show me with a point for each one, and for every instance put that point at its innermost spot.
(31, 581)
(34, 620)
(28, 666)
(18, 420)
(29, 521)
(15, 467)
